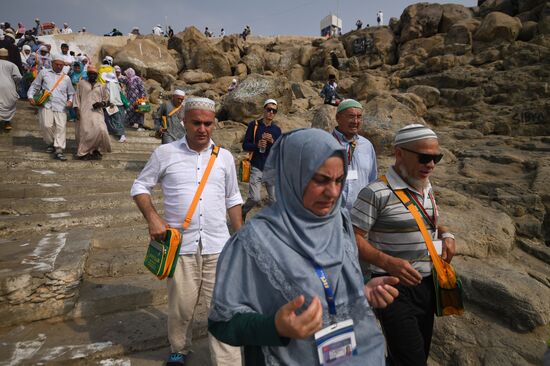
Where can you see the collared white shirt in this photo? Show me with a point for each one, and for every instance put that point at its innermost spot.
(363, 161)
(64, 92)
(179, 169)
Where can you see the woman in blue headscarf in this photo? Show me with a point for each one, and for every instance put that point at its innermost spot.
(274, 275)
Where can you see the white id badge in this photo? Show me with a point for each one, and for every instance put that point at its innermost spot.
(336, 343)
(352, 175)
(438, 244)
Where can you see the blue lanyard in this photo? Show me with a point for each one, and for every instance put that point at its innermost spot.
(329, 294)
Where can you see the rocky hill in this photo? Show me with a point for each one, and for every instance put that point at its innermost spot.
(479, 76)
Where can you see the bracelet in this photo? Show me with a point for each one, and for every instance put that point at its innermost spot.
(447, 235)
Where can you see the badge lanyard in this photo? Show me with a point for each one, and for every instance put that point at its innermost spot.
(351, 147)
(329, 294)
(418, 204)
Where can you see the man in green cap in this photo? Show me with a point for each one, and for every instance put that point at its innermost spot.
(362, 167)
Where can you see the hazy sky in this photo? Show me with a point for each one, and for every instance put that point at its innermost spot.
(300, 17)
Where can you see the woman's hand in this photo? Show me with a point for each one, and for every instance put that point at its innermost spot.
(302, 326)
(380, 291)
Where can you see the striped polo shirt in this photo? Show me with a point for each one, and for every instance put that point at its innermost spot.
(391, 227)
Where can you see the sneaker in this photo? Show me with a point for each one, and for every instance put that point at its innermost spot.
(176, 359)
(7, 126)
(50, 149)
(141, 129)
(135, 125)
(122, 139)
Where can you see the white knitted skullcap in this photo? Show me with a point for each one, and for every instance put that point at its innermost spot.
(270, 101)
(203, 104)
(179, 92)
(412, 133)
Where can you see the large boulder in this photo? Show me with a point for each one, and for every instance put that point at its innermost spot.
(503, 6)
(452, 13)
(196, 76)
(373, 47)
(369, 86)
(246, 101)
(254, 59)
(198, 52)
(544, 22)
(383, 116)
(420, 20)
(421, 47)
(512, 295)
(324, 117)
(150, 60)
(498, 26)
(429, 94)
(232, 47)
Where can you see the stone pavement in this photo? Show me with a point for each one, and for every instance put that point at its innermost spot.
(73, 289)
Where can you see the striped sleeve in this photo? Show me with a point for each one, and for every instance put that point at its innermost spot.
(368, 205)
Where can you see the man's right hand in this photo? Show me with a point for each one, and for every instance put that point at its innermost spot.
(302, 326)
(157, 228)
(31, 101)
(403, 270)
(262, 143)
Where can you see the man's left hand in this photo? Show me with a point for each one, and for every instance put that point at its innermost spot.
(448, 250)
(69, 104)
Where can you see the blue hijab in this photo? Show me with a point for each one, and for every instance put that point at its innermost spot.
(270, 260)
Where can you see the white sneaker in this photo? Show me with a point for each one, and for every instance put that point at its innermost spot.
(135, 125)
(141, 129)
(122, 139)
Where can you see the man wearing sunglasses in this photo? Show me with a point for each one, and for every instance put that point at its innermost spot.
(260, 136)
(389, 239)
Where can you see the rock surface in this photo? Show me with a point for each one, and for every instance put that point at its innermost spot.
(479, 76)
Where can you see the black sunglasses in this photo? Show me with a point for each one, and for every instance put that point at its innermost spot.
(425, 158)
(274, 111)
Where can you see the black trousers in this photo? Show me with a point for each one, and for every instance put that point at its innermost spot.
(408, 324)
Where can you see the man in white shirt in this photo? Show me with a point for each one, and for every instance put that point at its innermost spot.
(69, 60)
(66, 29)
(178, 167)
(157, 30)
(52, 114)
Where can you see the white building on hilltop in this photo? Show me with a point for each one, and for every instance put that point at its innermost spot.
(331, 25)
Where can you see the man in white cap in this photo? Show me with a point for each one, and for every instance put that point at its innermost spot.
(179, 167)
(157, 30)
(390, 240)
(9, 79)
(66, 29)
(362, 167)
(260, 136)
(169, 118)
(52, 114)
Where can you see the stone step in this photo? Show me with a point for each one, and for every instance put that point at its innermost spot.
(131, 164)
(11, 226)
(118, 251)
(40, 275)
(54, 206)
(33, 138)
(105, 295)
(38, 191)
(94, 174)
(97, 340)
(8, 156)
